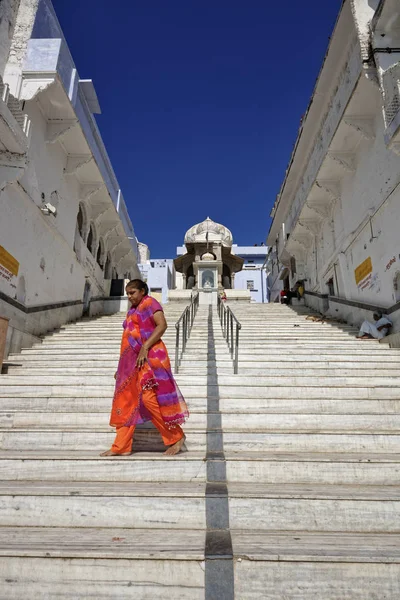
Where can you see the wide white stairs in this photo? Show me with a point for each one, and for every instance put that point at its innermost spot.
(311, 444)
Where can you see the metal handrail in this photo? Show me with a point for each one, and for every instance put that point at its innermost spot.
(227, 318)
(186, 321)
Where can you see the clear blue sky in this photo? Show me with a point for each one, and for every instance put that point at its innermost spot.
(201, 103)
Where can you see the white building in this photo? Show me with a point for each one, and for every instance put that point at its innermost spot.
(336, 219)
(253, 275)
(159, 274)
(65, 232)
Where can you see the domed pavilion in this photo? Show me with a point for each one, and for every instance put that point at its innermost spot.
(209, 264)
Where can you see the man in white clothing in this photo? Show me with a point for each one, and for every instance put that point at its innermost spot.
(377, 330)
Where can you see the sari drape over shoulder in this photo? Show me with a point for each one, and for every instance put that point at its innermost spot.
(128, 408)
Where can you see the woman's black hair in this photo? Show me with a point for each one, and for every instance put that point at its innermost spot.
(138, 284)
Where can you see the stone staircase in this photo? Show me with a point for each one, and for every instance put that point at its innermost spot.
(290, 488)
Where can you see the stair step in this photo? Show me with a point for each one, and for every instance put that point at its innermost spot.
(241, 380)
(88, 439)
(252, 422)
(353, 575)
(348, 509)
(109, 542)
(365, 468)
(231, 392)
(69, 465)
(102, 504)
(305, 546)
(85, 405)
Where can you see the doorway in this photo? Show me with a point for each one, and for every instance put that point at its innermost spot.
(86, 300)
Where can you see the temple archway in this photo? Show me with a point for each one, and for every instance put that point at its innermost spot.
(226, 277)
(190, 278)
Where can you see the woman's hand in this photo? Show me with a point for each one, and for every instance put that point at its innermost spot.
(115, 375)
(142, 357)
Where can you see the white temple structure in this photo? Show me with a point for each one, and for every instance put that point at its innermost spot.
(208, 264)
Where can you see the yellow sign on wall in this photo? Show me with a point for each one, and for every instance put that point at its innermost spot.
(363, 270)
(8, 261)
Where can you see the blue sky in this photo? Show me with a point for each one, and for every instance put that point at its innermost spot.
(201, 103)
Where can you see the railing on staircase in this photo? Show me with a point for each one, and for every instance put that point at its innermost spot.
(228, 319)
(183, 328)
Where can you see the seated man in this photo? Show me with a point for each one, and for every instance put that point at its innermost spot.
(377, 330)
(285, 296)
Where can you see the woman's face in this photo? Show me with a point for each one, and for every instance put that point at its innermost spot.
(134, 295)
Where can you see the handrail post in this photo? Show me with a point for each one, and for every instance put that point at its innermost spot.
(231, 335)
(177, 349)
(236, 361)
(227, 318)
(186, 320)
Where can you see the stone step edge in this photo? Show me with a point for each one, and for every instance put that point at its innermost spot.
(369, 493)
(104, 543)
(271, 546)
(303, 546)
(209, 431)
(199, 456)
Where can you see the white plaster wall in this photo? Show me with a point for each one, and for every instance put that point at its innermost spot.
(8, 15)
(335, 108)
(372, 191)
(259, 279)
(27, 234)
(158, 279)
(178, 281)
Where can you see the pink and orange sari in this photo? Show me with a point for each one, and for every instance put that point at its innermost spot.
(128, 408)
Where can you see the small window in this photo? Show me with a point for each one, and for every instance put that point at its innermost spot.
(250, 261)
(250, 284)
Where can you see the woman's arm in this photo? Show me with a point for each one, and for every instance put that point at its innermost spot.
(161, 327)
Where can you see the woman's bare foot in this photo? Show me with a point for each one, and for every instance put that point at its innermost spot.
(366, 336)
(175, 448)
(110, 453)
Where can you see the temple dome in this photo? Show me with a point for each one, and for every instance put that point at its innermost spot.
(216, 233)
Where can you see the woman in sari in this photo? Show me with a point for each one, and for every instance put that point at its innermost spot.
(145, 388)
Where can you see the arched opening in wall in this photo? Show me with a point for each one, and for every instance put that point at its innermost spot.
(107, 268)
(100, 254)
(86, 299)
(117, 287)
(90, 239)
(226, 277)
(330, 286)
(80, 221)
(190, 279)
(208, 279)
(21, 290)
(396, 285)
(293, 266)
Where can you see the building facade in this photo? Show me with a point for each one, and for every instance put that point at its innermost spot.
(253, 276)
(159, 274)
(336, 218)
(65, 232)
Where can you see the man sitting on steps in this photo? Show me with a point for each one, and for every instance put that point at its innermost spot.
(377, 330)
